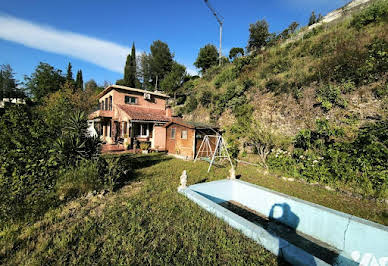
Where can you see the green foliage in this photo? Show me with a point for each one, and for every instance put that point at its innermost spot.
(317, 139)
(45, 80)
(320, 156)
(258, 35)
(376, 12)
(381, 91)
(74, 144)
(330, 95)
(174, 79)
(191, 104)
(312, 19)
(289, 31)
(206, 98)
(130, 71)
(28, 167)
(236, 52)
(377, 59)
(78, 180)
(69, 73)
(144, 146)
(8, 84)
(241, 62)
(207, 57)
(160, 61)
(79, 82)
(227, 75)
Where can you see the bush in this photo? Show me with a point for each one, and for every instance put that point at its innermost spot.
(381, 91)
(144, 146)
(376, 12)
(227, 75)
(205, 98)
(328, 96)
(28, 167)
(191, 104)
(79, 180)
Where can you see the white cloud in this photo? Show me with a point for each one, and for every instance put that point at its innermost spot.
(102, 53)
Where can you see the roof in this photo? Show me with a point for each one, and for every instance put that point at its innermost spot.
(111, 87)
(144, 114)
(190, 124)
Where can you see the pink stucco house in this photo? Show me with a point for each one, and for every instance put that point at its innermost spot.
(128, 115)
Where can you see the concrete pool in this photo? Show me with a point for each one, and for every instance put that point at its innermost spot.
(301, 232)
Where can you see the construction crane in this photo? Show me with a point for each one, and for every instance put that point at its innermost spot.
(220, 20)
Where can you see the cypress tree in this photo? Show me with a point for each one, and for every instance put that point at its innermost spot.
(69, 75)
(130, 69)
(79, 82)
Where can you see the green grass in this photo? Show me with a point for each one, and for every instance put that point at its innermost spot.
(145, 222)
(149, 222)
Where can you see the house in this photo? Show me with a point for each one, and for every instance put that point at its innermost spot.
(184, 138)
(128, 116)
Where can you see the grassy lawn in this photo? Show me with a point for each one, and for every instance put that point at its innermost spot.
(148, 222)
(145, 222)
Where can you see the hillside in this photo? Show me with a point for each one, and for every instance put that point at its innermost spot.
(284, 82)
(309, 97)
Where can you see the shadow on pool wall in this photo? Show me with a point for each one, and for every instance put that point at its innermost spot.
(301, 232)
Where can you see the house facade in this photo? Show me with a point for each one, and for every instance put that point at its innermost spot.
(127, 116)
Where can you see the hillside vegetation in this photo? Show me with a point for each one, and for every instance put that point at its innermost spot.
(314, 108)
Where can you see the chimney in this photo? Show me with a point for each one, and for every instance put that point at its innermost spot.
(168, 111)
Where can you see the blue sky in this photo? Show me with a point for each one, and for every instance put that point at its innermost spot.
(95, 36)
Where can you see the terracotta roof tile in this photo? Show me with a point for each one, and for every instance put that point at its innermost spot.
(146, 114)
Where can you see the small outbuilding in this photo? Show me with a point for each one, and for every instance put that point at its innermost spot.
(183, 138)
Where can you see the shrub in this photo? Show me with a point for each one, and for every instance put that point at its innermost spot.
(144, 146)
(227, 75)
(241, 62)
(376, 12)
(330, 95)
(381, 91)
(191, 104)
(79, 180)
(28, 167)
(205, 98)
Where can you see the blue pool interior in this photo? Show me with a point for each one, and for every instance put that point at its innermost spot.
(319, 235)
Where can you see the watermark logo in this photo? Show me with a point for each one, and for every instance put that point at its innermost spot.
(368, 259)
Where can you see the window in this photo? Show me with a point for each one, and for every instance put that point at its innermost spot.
(184, 134)
(106, 103)
(110, 128)
(173, 133)
(110, 103)
(130, 100)
(142, 130)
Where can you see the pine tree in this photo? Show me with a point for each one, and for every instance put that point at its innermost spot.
(79, 82)
(69, 75)
(130, 69)
(312, 19)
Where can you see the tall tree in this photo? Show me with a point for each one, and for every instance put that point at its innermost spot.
(45, 80)
(173, 80)
(144, 70)
(130, 70)
(207, 57)
(69, 74)
(236, 52)
(79, 82)
(8, 84)
(258, 35)
(312, 19)
(161, 61)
